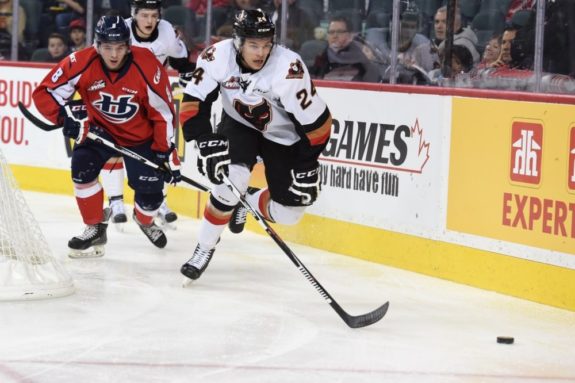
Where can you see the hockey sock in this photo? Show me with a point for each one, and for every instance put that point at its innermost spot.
(112, 176)
(90, 199)
(146, 218)
(273, 211)
(216, 218)
(261, 201)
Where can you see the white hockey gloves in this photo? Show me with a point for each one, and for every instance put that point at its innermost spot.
(305, 186)
(213, 156)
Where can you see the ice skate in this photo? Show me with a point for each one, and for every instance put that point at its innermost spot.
(119, 217)
(240, 215)
(153, 232)
(167, 217)
(196, 265)
(90, 244)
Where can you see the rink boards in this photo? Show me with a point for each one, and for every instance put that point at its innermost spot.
(469, 186)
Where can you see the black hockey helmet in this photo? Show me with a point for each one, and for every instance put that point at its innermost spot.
(112, 29)
(252, 23)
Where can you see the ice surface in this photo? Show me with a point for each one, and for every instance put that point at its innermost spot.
(253, 317)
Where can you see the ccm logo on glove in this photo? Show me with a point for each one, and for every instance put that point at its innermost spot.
(310, 173)
(213, 144)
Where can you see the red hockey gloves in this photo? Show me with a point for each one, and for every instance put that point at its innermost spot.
(305, 186)
(76, 125)
(169, 164)
(213, 156)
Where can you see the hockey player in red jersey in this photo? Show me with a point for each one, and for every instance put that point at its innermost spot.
(148, 30)
(271, 110)
(127, 97)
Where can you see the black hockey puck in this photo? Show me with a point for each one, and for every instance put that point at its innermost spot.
(505, 339)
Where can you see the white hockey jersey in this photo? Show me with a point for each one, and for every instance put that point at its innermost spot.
(166, 44)
(266, 99)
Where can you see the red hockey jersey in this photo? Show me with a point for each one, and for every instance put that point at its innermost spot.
(134, 105)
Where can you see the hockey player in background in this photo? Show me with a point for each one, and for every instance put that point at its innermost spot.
(149, 31)
(271, 110)
(127, 97)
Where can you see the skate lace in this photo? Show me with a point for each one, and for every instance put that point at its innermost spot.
(89, 232)
(117, 207)
(152, 232)
(164, 209)
(201, 257)
(241, 215)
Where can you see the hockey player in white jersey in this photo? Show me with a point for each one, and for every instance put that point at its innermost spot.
(271, 110)
(148, 30)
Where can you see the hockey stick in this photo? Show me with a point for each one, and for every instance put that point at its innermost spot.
(35, 120)
(117, 148)
(351, 320)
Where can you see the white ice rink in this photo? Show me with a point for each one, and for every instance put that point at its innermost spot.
(253, 317)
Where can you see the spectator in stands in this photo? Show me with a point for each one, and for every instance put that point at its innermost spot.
(33, 10)
(461, 36)
(64, 11)
(344, 58)
(518, 5)
(439, 26)
(200, 6)
(6, 7)
(491, 53)
(415, 52)
(77, 30)
(461, 65)
(220, 9)
(57, 48)
(506, 40)
(104, 7)
(238, 5)
(300, 27)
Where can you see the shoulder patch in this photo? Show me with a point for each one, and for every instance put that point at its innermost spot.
(295, 70)
(208, 53)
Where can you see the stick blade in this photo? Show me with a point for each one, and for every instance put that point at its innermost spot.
(367, 319)
(35, 120)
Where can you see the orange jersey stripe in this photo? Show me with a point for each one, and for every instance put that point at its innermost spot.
(216, 216)
(320, 135)
(118, 165)
(188, 110)
(264, 203)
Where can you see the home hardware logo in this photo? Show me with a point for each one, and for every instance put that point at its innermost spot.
(526, 152)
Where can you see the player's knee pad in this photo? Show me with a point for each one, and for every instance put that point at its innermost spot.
(86, 165)
(239, 175)
(149, 201)
(285, 215)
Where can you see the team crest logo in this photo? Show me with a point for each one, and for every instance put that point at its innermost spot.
(208, 53)
(259, 115)
(232, 83)
(295, 70)
(116, 109)
(98, 84)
